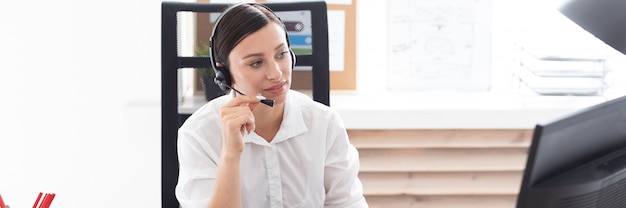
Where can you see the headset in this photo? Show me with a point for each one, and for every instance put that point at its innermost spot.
(222, 74)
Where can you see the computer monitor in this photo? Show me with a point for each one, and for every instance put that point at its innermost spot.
(578, 160)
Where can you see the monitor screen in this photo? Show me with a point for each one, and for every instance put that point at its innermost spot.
(578, 160)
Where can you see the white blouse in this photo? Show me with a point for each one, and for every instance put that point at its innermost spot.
(309, 163)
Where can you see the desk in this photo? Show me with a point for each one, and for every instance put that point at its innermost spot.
(441, 110)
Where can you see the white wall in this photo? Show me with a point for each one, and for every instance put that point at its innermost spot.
(79, 106)
(507, 16)
(371, 30)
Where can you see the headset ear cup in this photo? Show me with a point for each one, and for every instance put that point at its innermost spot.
(220, 79)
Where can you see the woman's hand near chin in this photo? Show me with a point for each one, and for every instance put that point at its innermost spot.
(237, 120)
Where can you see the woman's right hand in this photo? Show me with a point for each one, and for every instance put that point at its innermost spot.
(237, 120)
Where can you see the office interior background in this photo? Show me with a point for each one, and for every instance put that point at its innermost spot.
(80, 87)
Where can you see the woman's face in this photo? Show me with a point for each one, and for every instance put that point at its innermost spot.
(261, 64)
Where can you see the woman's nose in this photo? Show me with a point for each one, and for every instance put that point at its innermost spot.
(274, 72)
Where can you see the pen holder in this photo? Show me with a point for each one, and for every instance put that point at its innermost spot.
(39, 202)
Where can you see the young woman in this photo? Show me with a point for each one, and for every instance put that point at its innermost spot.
(237, 152)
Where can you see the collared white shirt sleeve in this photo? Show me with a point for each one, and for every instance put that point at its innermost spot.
(343, 187)
(309, 163)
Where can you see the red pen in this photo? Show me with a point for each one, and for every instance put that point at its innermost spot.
(2, 203)
(43, 201)
(51, 198)
(37, 200)
(48, 200)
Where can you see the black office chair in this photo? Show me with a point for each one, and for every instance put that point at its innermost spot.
(171, 62)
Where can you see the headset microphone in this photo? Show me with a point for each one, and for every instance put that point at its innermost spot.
(220, 82)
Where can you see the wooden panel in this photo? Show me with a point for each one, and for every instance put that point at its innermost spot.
(446, 168)
(441, 201)
(439, 138)
(442, 183)
(436, 160)
(346, 79)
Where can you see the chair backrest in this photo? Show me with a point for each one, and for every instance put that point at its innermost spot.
(171, 62)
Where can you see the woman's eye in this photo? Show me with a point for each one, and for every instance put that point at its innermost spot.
(282, 54)
(256, 64)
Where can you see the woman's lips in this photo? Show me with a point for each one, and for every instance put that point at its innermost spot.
(276, 88)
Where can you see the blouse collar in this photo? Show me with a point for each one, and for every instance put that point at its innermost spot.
(292, 125)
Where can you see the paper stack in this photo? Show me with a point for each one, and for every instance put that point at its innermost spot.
(553, 70)
(558, 75)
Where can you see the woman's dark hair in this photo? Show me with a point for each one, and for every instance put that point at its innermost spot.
(237, 23)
